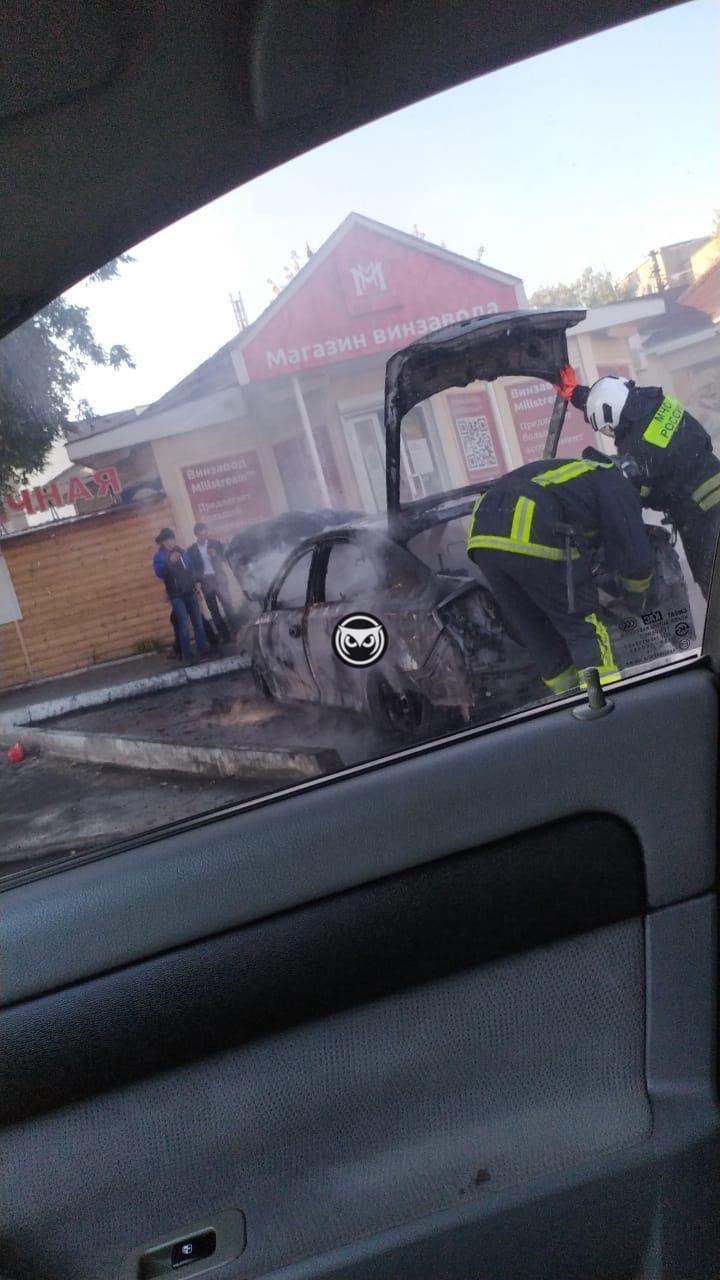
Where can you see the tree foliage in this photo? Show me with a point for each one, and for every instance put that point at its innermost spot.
(40, 365)
(591, 289)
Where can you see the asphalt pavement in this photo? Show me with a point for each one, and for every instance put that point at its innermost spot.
(228, 712)
(52, 808)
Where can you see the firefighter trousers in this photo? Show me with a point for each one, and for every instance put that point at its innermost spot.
(699, 532)
(532, 595)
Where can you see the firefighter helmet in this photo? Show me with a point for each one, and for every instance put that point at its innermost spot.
(606, 400)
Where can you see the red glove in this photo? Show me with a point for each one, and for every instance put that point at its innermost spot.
(568, 382)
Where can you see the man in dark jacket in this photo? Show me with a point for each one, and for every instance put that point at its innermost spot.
(532, 534)
(207, 557)
(668, 456)
(172, 565)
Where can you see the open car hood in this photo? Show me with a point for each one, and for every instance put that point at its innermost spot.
(510, 344)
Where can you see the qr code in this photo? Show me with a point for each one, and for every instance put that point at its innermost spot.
(477, 443)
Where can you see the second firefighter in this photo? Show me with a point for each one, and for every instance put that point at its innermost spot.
(532, 534)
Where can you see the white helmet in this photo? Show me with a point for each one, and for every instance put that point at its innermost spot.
(606, 400)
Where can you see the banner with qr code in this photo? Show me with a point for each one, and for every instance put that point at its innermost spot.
(477, 435)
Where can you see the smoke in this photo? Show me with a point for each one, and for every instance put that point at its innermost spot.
(256, 576)
(257, 554)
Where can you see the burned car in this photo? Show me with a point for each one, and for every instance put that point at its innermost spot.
(450, 656)
(447, 653)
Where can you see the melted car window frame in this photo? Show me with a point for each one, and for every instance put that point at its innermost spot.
(275, 603)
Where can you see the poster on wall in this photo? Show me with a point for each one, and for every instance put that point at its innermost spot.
(531, 404)
(227, 493)
(477, 435)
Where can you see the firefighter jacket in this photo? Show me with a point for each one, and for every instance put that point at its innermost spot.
(536, 510)
(677, 471)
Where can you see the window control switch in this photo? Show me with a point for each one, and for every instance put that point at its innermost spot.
(192, 1249)
(200, 1248)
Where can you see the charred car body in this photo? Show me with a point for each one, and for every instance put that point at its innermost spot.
(447, 646)
(449, 649)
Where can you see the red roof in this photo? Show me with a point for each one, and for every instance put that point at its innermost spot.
(370, 289)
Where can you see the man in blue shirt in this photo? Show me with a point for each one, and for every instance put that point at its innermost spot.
(172, 565)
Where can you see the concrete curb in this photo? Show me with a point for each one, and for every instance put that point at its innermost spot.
(219, 762)
(163, 757)
(36, 712)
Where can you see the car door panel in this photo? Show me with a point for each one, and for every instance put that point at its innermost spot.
(281, 635)
(309, 1113)
(478, 1083)
(341, 587)
(287, 666)
(340, 685)
(415, 926)
(449, 1016)
(410, 635)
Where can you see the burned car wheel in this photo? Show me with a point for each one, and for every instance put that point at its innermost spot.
(402, 713)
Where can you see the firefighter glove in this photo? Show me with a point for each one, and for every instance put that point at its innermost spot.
(568, 382)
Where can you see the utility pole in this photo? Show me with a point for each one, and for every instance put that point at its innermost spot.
(656, 271)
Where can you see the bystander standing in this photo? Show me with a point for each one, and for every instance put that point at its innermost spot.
(173, 566)
(207, 557)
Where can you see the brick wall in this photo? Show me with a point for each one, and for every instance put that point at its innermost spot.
(86, 591)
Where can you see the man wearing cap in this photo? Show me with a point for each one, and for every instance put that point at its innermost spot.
(171, 564)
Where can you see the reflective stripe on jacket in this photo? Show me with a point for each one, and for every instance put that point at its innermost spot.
(521, 513)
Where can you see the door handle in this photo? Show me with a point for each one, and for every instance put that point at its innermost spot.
(295, 630)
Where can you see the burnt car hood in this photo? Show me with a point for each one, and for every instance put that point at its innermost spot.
(510, 344)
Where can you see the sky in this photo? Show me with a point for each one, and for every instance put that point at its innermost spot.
(590, 154)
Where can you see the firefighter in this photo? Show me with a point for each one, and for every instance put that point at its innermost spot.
(670, 457)
(532, 534)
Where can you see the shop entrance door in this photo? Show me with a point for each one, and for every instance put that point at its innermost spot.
(366, 445)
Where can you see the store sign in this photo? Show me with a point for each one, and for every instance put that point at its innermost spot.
(44, 497)
(531, 404)
(227, 492)
(477, 435)
(372, 294)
